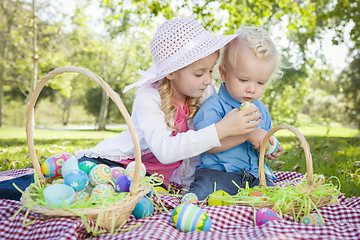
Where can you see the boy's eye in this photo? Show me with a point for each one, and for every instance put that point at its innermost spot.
(243, 80)
(261, 83)
(198, 75)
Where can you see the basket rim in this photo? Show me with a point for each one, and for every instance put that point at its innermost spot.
(112, 94)
(304, 144)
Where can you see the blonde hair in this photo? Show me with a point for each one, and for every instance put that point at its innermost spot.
(259, 41)
(167, 105)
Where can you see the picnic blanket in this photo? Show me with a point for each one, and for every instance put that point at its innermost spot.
(228, 222)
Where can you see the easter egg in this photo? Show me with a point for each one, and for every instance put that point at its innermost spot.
(58, 180)
(160, 190)
(77, 179)
(123, 183)
(69, 165)
(272, 147)
(101, 190)
(130, 169)
(51, 167)
(189, 198)
(259, 194)
(116, 172)
(143, 208)
(188, 217)
(219, 198)
(59, 195)
(87, 166)
(100, 174)
(82, 196)
(246, 105)
(264, 215)
(312, 219)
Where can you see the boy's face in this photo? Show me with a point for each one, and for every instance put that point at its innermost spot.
(247, 80)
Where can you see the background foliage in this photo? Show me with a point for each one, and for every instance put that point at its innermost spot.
(116, 52)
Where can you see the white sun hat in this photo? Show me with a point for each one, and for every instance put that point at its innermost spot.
(178, 43)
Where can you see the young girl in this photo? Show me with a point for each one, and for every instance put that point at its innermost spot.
(170, 94)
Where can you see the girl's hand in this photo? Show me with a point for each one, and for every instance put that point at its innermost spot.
(238, 122)
(256, 137)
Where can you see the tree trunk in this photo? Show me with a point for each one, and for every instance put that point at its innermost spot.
(103, 110)
(34, 78)
(66, 104)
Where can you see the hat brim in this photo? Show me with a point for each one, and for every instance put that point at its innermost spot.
(203, 49)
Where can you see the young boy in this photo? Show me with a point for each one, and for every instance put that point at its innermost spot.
(247, 64)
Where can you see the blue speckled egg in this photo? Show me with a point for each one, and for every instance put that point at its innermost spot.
(144, 208)
(77, 179)
(188, 217)
(51, 167)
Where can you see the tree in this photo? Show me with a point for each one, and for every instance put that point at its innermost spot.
(350, 89)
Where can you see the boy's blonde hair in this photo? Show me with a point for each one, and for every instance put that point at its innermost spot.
(259, 41)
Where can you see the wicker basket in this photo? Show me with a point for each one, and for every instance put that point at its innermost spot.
(117, 213)
(311, 185)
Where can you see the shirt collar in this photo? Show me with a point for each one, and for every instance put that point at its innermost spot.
(224, 95)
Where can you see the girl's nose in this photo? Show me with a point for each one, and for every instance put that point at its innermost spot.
(208, 79)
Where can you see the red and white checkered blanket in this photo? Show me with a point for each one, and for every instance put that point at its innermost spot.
(228, 222)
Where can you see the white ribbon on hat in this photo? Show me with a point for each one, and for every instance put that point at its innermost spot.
(150, 74)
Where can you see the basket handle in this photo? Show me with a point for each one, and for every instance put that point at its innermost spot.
(112, 94)
(304, 144)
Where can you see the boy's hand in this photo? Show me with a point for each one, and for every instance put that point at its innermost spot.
(276, 154)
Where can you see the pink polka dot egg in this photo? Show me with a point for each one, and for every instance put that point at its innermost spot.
(116, 172)
(100, 174)
(264, 215)
(51, 167)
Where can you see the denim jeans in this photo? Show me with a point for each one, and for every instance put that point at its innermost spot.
(205, 179)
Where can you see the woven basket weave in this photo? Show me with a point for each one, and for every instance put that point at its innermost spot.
(310, 185)
(116, 213)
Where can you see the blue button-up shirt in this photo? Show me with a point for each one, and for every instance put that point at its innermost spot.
(243, 156)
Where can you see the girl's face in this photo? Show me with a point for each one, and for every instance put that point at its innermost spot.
(192, 80)
(246, 81)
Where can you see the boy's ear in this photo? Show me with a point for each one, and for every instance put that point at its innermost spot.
(222, 72)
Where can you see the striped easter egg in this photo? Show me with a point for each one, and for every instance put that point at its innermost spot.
(188, 217)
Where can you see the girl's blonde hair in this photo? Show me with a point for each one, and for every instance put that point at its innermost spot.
(259, 41)
(167, 105)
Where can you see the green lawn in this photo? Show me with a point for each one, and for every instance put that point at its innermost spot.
(335, 152)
